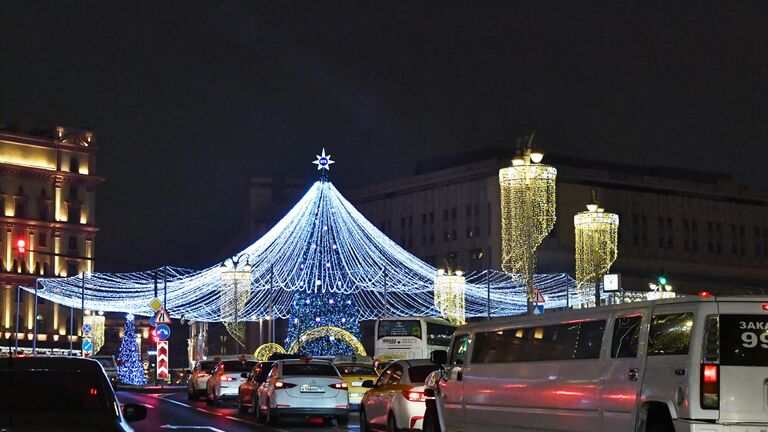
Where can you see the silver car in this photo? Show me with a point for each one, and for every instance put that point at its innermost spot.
(304, 388)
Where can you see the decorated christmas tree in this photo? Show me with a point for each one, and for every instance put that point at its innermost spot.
(129, 367)
(324, 300)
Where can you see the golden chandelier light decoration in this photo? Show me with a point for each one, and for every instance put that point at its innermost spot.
(263, 352)
(449, 295)
(527, 212)
(336, 333)
(235, 289)
(596, 249)
(96, 321)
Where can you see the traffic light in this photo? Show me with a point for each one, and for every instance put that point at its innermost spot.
(21, 246)
(662, 280)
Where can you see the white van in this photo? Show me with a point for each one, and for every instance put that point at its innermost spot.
(686, 364)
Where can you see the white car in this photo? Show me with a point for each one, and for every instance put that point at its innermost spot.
(396, 400)
(198, 379)
(226, 380)
(304, 388)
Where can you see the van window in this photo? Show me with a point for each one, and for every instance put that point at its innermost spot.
(744, 340)
(567, 341)
(459, 351)
(670, 334)
(626, 336)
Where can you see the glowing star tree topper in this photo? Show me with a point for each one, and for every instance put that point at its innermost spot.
(323, 161)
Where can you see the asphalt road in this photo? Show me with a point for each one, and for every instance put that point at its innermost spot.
(173, 412)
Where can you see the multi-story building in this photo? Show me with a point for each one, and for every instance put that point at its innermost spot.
(47, 199)
(703, 230)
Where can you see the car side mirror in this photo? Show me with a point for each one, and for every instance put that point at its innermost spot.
(439, 357)
(244, 375)
(134, 412)
(429, 392)
(368, 384)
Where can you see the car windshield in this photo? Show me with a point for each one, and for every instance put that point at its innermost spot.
(206, 366)
(313, 369)
(84, 392)
(418, 374)
(236, 366)
(356, 370)
(106, 362)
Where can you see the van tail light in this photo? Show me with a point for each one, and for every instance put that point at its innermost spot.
(340, 386)
(415, 396)
(227, 378)
(765, 307)
(283, 385)
(710, 386)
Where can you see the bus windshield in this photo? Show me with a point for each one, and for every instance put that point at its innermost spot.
(399, 328)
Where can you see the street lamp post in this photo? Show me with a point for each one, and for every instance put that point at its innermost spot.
(596, 247)
(527, 212)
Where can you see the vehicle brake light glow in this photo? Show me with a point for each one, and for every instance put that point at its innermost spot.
(92, 391)
(415, 396)
(283, 385)
(705, 294)
(340, 386)
(765, 307)
(710, 374)
(201, 375)
(227, 378)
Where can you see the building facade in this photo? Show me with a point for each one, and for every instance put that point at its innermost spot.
(704, 231)
(47, 197)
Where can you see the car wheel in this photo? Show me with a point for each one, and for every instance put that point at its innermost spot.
(391, 425)
(260, 416)
(364, 427)
(271, 415)
(342, 420)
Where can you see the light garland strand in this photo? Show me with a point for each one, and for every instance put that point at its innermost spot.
(366, 258)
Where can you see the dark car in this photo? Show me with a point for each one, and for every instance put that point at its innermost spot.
(247, 397)
(60, 394)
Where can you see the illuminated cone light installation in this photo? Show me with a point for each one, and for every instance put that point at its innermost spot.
(527, 213)
(596, 249)
(449, 296)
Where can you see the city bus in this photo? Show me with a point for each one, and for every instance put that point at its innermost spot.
(411, 337)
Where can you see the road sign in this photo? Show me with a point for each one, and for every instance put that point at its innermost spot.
(87, 329)
(163, 332)
(155, 304)
(539, 298)
(152, 322)
(612, 282)
(162, 317)
(162, 360)
(538, 309)
(87, 347)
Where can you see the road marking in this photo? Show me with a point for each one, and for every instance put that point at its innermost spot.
(242, 420)
(148, 405)
(210, 428)
(172, 401)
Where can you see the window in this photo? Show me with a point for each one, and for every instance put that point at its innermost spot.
(431, 218)
(74, 165)
(453, 235)
(389, 328)
(431, 237)
(418, 374)
(445, 215)
(459, 351)
(626, 335)
(308, 369)
(21, 210)
(694, 236)
(43, 212)
(670, 334)
(424, 239)
(742, 340)
(439, 334)
(468, 212)
(402, 223)
(71, 269)
(469, 232)
(567, 341)
(73, 192)
(410, 221)
(73, 242)
(42, 239)
(395, 375)
(477, 209)
(423, 218)
(453, 213)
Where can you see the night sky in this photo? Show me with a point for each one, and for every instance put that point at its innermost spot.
(189, 100)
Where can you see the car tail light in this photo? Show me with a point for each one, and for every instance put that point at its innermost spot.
(705, 294)
(201, 375)
(765, 307)
(414, 396)
(227, 378)
(284, 385)
(340, 386)
(710, 386)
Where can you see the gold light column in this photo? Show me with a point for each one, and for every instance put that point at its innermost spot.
(596, 249)
(449, 296)
(235, 291)
(527, 213)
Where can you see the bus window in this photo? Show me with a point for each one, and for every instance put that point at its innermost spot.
(389, 328)
(626, 335)
(670, 334)
(439, 334)
(459, 351)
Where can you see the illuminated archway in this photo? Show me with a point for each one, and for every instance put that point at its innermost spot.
(263, 352)
(334, 332)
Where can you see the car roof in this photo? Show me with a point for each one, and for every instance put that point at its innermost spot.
(48, 362)
(304, 361)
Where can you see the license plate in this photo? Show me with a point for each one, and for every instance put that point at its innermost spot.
(306, 388)
(357, 383)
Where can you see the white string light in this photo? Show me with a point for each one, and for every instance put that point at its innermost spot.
(355, 248)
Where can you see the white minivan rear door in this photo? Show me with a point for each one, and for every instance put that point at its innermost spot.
(743, 375)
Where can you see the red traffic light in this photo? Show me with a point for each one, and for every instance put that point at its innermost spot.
(21, 246)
